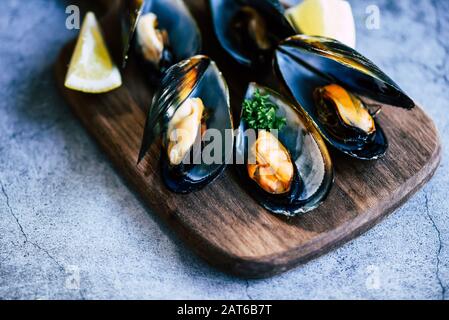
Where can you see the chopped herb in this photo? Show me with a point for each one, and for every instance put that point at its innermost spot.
(260, 113)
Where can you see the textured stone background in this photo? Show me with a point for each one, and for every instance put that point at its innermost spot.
(64, 210)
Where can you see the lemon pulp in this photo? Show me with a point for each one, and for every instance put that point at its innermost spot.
(325, 18)
(91, 68)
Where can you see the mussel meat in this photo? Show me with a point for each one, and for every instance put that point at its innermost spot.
(330, 80)
(192, 112)
(288, 170)
(161, 32)
(153, 43)
(183, 129)
(250, 30)
(344, 115)
(272, 168)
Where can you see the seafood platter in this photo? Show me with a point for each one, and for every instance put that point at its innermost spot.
(260, 144)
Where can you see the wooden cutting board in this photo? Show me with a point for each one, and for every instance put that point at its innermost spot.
(222, 223)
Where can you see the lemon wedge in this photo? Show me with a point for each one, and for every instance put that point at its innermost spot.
(326, 18)
(91, 68)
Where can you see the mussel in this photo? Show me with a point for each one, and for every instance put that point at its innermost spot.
(250, 30)
(289, 170)
(192, 112)
(161, 32)
(331, 81)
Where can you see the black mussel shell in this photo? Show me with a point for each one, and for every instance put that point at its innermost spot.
(341, 64)
(131, 11)
(229, 25)
(313, 169)
(306, 63)
(197, 77)
(174, 17)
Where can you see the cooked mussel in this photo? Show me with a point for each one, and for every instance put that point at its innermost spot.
(191, 110)
(161, 32)
(249, 30)
(331, 81)
(287, 170)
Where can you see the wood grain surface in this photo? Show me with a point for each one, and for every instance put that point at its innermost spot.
(222, 223)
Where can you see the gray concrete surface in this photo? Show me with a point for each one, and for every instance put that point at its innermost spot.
(70, 228)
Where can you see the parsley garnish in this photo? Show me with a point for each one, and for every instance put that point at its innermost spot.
(260, 113)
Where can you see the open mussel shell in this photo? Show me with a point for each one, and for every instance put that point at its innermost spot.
(175, 22)
(313, 173)
(194, 79)
(249, 30)
(307, 63)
